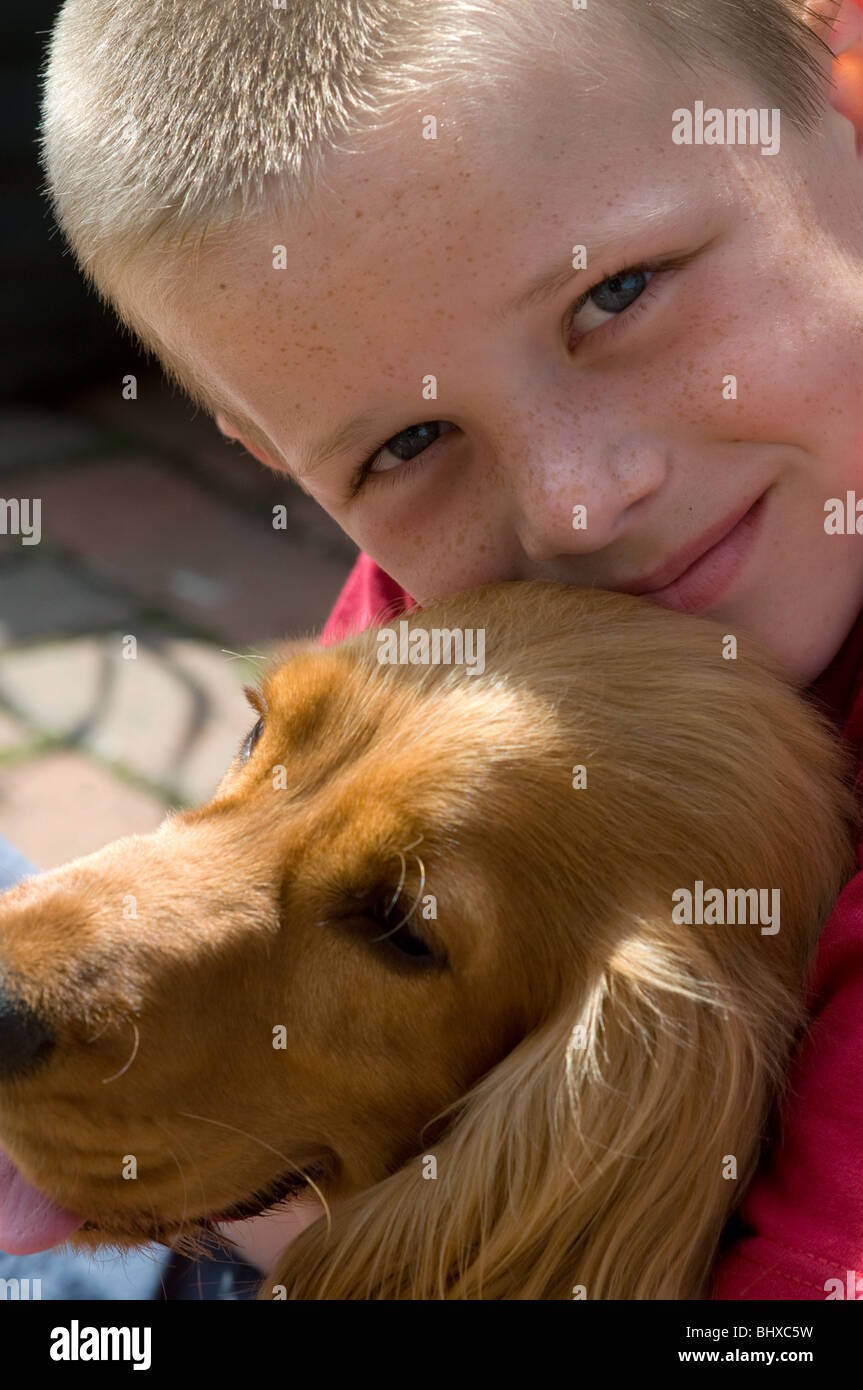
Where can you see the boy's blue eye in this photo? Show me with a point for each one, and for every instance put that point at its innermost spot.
(407, 446)
(611, 297)
(412, 441)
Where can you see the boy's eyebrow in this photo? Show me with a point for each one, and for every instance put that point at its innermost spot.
(346, 435)
(342, 439)
(547, 282)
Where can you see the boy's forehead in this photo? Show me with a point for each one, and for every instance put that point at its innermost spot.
(442, 223)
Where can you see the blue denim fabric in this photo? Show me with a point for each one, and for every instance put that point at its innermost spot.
(152, 1273)
(13, 865)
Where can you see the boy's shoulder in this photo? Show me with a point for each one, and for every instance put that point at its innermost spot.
(799, 1232)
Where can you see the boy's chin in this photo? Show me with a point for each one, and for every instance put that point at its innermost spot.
(803, 638)
(803, 663)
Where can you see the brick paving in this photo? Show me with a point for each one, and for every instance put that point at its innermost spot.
(169, 542)
(61, 805)
(153, 528)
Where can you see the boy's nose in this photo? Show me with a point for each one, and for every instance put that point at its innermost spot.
(24, 1038)
(569, 512)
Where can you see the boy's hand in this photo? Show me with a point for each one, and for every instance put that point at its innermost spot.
(261, 1240)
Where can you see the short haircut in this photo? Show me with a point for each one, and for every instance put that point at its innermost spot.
(166, 123)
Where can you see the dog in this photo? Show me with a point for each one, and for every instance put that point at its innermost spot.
(426, 953)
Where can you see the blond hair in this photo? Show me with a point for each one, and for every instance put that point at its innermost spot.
(165, 124)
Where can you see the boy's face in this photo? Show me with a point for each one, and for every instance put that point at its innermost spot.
(622, 404)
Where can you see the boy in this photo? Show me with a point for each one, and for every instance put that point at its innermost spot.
(565, 312)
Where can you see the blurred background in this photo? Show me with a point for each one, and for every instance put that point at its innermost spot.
(152, 527)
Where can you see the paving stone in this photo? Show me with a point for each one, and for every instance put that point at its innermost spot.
(40, 436)
(171, 423)
(61, 805)
(174, 715)
(41, 595)
(167, 541)
(13, 733)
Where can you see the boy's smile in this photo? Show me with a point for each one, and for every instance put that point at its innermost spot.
(721, 365)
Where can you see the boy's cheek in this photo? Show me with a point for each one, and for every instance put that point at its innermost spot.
(775, 356)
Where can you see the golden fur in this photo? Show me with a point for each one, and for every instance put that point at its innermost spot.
(577, 1065)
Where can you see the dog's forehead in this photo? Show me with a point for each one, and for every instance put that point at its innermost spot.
(342, 703)
(336, 705)
(308, 683)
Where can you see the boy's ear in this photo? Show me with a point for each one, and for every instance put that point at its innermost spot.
(841, 25)
(228, 430)
(838, 22)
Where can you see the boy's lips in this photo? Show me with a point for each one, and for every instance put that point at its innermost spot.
(700, 573)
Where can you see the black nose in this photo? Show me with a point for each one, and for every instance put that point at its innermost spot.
(24, 1039)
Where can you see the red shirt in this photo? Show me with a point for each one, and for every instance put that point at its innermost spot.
(369, 597)
(801, 1221)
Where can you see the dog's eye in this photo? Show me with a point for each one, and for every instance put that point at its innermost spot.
(378, 921)
(404, 940)
(249, 743)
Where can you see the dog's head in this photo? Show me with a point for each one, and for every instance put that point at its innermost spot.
(414, 886)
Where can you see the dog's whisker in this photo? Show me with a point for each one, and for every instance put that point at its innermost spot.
(414, 905)
(106, 1079)
(401, 854)
(189, 1241)
(188, 1159)
(152, 1207)
(395, 897)
(185, 1188)
(186, 1114)
(244, 656)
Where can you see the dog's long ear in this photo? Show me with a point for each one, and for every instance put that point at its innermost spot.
(596, 1161)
